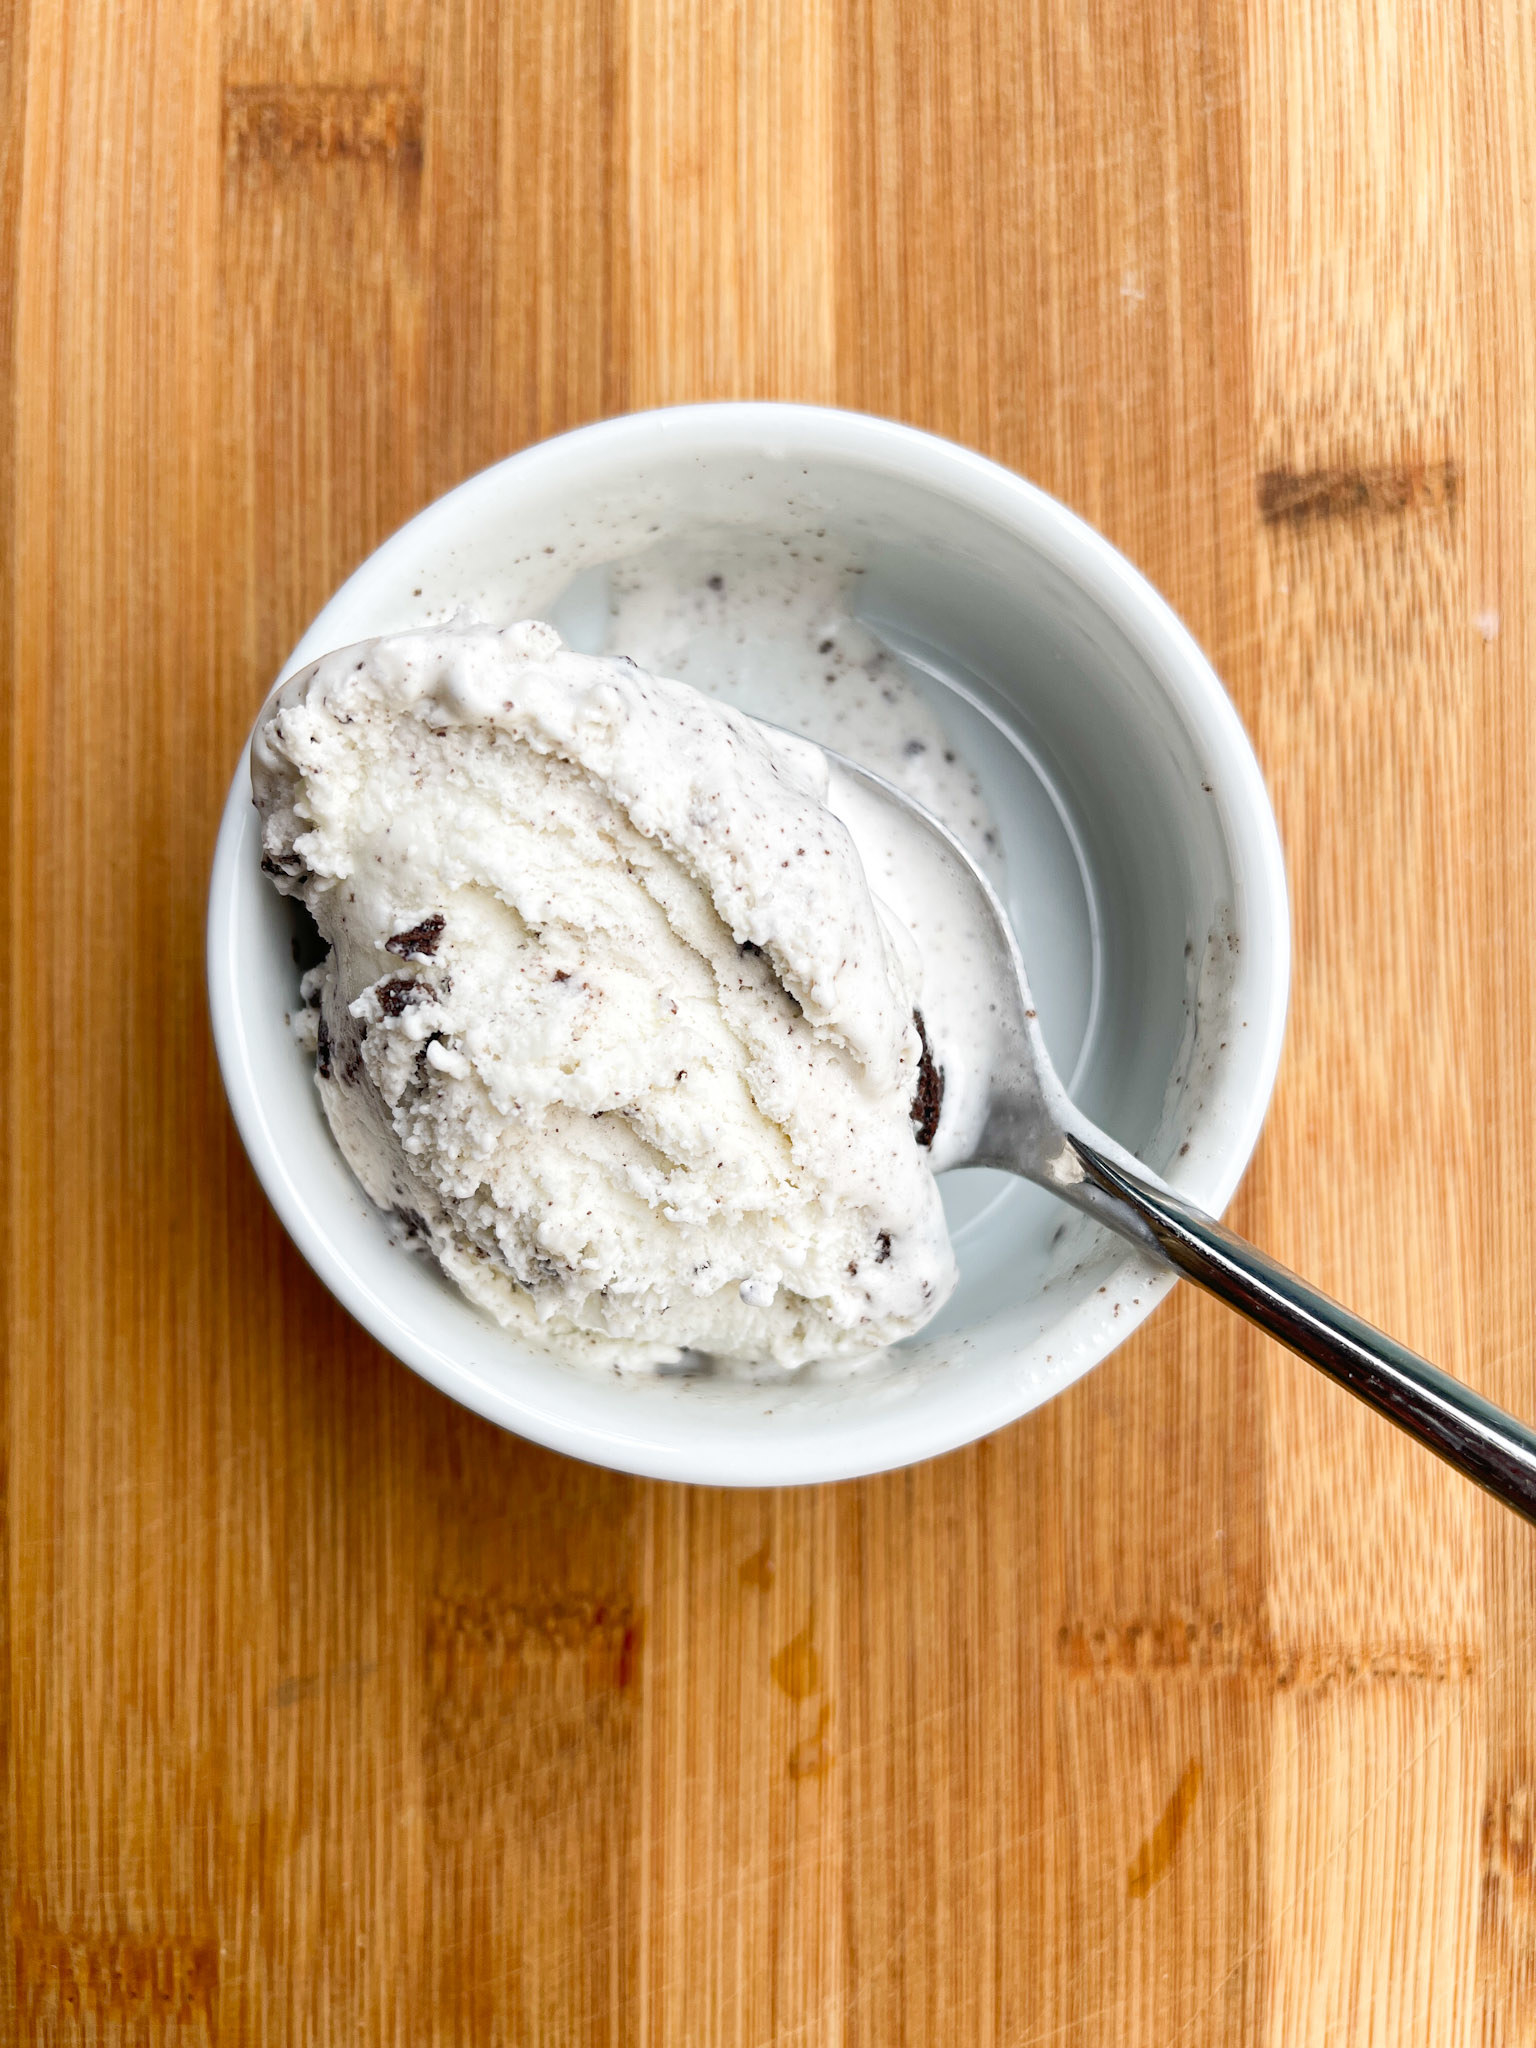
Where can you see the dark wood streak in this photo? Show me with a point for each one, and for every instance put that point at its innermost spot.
(113, 1976)
(288, 123)
(1291, 496)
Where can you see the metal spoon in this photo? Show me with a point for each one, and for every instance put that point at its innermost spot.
(1019, 1118)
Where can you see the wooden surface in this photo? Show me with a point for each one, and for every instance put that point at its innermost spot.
(1194, 1709)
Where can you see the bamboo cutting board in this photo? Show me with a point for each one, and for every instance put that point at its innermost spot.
(1196, 1708)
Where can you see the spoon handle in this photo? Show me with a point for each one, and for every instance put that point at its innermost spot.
(1480, 1440)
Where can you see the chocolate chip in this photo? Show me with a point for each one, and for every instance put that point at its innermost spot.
(421, 938)
(884, 1242)
(323, 1053)
(398, 996)
(717, 583)
(929, 1099)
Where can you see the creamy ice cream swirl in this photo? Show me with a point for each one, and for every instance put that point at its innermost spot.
(610, 1018)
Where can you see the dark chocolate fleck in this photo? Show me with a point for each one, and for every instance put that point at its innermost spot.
(421, 938)
(400, 995)
(323, 1054)
(423, 1071)
(929, 1099)
(884, 1242)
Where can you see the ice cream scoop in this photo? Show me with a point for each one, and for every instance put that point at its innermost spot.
(610, 1020)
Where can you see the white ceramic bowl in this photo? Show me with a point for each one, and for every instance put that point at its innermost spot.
(1145, 878)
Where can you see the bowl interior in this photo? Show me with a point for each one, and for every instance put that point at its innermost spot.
(1142, 874)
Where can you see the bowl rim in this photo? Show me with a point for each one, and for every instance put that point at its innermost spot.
(837, 1449)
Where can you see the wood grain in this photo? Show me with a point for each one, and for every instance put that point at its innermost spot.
(1195, 1708)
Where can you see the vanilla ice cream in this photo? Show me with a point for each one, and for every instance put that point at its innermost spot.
(610, 1018)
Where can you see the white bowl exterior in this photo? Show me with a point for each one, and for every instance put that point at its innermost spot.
(776, 1430)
